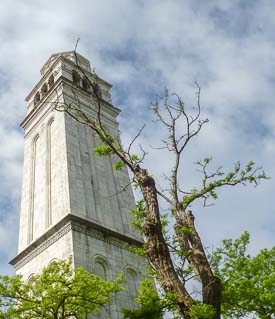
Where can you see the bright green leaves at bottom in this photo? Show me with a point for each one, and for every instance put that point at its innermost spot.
(59, 292)
(202, 311)
(150, 305)
(248, 283)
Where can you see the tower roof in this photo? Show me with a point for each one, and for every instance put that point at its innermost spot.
(70, 55)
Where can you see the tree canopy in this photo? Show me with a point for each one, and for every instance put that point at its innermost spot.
(58, 292)
(248, 285)
(248, 282)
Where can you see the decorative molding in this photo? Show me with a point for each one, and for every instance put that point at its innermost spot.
(75, 224)
(37, 248)
(96, 234)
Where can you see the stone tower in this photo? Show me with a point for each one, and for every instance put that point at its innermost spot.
(72, 201)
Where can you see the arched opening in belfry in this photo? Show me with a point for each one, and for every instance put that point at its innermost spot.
(44, 89)
(86, 84)
(76, 77)
(36, 98)
(51, 81)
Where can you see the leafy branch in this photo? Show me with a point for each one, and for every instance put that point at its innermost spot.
(247, 175)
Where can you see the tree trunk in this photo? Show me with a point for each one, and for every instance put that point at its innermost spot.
(190, 242)
(157, 249)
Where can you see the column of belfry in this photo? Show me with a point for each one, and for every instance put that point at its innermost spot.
(72, 203)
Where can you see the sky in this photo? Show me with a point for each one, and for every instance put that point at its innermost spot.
(143, 47)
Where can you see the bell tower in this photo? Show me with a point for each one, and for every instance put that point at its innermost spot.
(74, 203)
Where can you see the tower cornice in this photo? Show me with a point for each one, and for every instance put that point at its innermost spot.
(73, 223)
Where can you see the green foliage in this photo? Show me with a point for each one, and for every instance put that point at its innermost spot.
(102, 150)
(139, 251)
(106, 150)
(59, 292)
(248, 286)
(134, 157)
(212, 181)
(106, 137)
(77, 112)
(135, 185)
(202, 311)
(118, 165)
(248, 282)
(150, 305)
(206, 160)
(138, 215)
(187, 230)
(170, 301)
(108, 146)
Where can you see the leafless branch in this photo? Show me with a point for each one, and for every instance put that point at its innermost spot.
(123, 189)
(168, 200)
(135, 138)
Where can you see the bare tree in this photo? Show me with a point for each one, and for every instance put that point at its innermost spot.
(180, 256)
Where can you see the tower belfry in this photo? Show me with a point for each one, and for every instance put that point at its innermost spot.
(72, 201)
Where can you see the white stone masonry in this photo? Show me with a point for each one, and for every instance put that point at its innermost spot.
(72, 201)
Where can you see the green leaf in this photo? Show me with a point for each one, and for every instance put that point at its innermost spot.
(138, 215)
(118, 165)
(202, 311)
(102, 150)
(150, 304)
(134, 157)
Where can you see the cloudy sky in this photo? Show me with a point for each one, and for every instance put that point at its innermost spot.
(141, 47)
